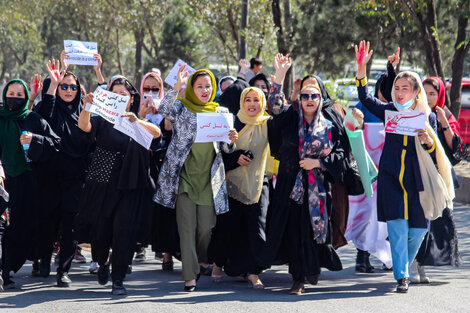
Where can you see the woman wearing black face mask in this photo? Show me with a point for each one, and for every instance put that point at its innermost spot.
(20, 129)
(60, 107)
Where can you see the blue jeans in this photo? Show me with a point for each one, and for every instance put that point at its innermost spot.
(405, 243)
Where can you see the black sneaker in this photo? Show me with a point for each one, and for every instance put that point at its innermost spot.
(103, 274)
(63, 279)
(35, 271)
(167, 266)
(140, 255)
(402, 285)
(118, 288)
(45, 268)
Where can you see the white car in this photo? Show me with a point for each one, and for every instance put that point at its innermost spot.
(347, 90)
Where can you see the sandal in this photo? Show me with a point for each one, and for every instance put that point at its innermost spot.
(297, 288)
(255, 286)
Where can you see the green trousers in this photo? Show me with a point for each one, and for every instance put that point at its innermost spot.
(195, 223)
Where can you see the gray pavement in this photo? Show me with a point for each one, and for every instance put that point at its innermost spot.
(151, 290)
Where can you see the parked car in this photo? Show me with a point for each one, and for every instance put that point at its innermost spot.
(347, 90)
(464, 117)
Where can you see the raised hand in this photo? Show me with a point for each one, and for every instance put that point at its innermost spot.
(100, 61)
(54, 72)
(394, 59)
(363, 54)
(281, 65)
(63, 57)
(244, 66)
(182, 78)
(35, 86)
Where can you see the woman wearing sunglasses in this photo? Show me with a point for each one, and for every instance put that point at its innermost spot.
(310, 152)
(60, 107)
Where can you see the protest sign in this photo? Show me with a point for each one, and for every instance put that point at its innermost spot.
(135, 131)
(404, 123)
(81, 52)
(108, 105)
(172, 78)
(214, 127)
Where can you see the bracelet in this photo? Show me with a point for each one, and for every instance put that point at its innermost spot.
(445, 128)
(432, 148)
(361, 82)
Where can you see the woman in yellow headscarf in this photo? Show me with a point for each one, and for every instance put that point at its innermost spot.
(240, 233)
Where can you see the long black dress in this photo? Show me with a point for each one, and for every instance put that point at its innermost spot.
(165, 237)
(239, 235)
(67, 171)
(118, 192)
(289, 235)
(27, 197)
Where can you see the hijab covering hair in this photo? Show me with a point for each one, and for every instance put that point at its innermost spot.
(231, 96)
(246, 182)
(192, 102)
(64, 121)
(385, 83)
(233, 79)
(437, 182)
(157, 78)
(121, 80)
(441, 99)
(13, 156)
(314, 142)
(260, 76)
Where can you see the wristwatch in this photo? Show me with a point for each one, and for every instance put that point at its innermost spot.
(445, 128)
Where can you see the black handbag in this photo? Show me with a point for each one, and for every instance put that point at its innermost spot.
(351, 177)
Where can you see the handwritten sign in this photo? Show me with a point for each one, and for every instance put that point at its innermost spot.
(404, 123)
(81, 52)
(135, 131)
(172, 78)
(213, 127)
(108, 105)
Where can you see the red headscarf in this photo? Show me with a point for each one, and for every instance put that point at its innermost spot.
(441, 99)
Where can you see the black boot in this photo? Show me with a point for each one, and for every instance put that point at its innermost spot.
(63, 279)
(362, 262)
(45, 267)
(103, 274)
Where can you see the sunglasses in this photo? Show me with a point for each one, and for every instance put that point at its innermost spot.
(66, 86)
(146, 89)
(306, 96)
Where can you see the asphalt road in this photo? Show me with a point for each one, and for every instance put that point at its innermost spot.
(151, 290)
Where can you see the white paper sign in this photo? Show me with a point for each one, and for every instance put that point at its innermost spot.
(214, 127)
(404, 123)
(172, 78)
(81, 52)
(108, 105)
(135, 131)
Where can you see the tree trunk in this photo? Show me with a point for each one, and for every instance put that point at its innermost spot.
(117, 51)
(243, 26)
(461, 51)
(139, 42)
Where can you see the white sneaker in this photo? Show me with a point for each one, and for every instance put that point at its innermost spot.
(93, 268)
(413, 271)
(422, 275)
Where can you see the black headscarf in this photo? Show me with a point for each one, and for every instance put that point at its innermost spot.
(64, 121)
(385, 83)
(231, 96)
(261, 76)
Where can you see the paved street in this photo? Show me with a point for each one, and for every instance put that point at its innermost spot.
(151, 290)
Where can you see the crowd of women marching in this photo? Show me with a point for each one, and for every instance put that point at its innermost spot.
(278, 193)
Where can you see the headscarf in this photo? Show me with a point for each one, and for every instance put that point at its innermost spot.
(191, 101)
(135, 105)
(314, 142)
(231, 96)
(13, 157)
(261, 76)
(245, 183)
(385, 83)
(64, 122)
(438, 183)
(233, 79)
(441, 99)
(158, 79)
